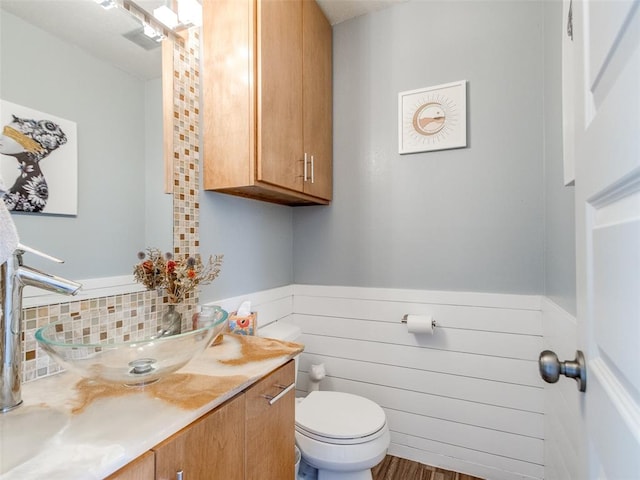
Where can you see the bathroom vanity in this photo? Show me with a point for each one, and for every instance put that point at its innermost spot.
(244, 438)
(228, 414)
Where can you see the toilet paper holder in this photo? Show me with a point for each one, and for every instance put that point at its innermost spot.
(404, 320)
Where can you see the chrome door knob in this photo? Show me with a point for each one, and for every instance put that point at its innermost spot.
(551, 368)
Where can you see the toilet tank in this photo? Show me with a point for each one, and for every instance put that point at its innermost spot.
(283, 331)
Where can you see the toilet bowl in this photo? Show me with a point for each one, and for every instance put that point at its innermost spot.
(341, 434)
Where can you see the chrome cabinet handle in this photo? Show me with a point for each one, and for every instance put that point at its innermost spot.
(305, 166)
(180, 475)
(273, 399)
(312, 172)
(551, 369)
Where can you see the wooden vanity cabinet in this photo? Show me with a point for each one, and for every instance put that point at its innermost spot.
(249, 437)
(267, 100)
(142, 468)
(210, 448)
(270, 426)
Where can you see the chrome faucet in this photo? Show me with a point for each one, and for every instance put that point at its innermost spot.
(14, 276)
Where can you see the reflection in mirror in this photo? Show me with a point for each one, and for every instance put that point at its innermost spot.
(71, 59)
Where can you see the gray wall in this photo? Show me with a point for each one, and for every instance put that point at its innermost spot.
(158, 205)
(560, 264)
(256, 239)
(43, 72)
(479, 218)
(492, 217)
(466, 219)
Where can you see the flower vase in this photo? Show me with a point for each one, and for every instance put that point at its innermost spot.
(171, 321)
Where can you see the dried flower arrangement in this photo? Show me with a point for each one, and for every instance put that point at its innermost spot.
(176, 277)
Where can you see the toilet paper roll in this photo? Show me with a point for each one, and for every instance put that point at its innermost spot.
(422, 324)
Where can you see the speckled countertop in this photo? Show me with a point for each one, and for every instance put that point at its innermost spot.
(72, 428)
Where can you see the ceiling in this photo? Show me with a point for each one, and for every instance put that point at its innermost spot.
(340, 10)
(100, 32)
(87, 25)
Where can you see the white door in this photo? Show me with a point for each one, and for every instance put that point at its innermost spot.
(607, 163)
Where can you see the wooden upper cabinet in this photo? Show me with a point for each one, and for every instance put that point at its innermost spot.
(280, 93)
(317, 100)
(267, 100)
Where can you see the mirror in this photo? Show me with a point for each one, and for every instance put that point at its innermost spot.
(70, 59)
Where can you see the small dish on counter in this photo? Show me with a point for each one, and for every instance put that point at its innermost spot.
(138, 361)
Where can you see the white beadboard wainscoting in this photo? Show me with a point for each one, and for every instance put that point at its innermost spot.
(468, 398)
(272, 305)
(561, 399)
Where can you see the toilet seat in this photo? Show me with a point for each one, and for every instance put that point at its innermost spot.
(339, 418)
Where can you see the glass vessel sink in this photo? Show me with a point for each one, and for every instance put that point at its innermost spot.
(142, 359)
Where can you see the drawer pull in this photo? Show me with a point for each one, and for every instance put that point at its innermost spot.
(180, 475)
(285, 390)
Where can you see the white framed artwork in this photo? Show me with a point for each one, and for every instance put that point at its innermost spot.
(433, 118)
(38, 161)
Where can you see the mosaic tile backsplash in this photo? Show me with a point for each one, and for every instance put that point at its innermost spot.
(186, 145)
(115, 318)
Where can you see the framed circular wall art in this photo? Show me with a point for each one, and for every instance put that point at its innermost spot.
(433, 118)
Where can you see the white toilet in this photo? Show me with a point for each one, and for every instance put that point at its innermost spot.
(340, 434)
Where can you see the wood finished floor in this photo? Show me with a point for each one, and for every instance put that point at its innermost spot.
(394, 468)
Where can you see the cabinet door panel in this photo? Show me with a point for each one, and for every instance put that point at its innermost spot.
(228, 123)
(142, 468)
(211, 448)
(280, 93)
(270, 429)
(317, 98)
